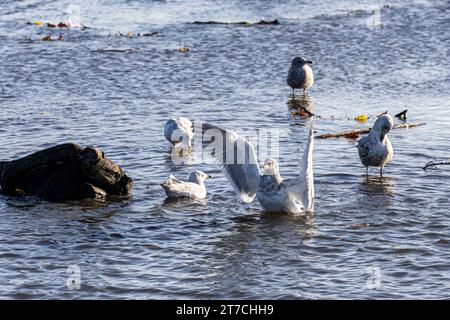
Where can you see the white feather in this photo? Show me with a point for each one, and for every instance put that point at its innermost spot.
(240, 166)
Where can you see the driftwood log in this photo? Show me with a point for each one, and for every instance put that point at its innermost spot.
(353, 134)
(244, 23)
(64, 172)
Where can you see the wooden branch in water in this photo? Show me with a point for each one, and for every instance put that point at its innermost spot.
(353, 134)
(124, 50)
(435, 164)
(245, 23)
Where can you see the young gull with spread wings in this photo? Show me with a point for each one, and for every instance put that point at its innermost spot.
(275, 194)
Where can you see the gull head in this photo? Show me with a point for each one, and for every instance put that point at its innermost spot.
(384, 124)
(198, 176)
(271, 168)
(300, 61)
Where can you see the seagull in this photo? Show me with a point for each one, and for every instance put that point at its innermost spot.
(300, 75)
(193, 188)
(375, 149)
(274, 193)
(179, 132)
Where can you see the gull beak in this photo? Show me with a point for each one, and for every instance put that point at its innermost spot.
(209, 176)
(310, 62)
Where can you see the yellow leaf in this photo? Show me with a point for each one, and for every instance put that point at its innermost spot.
(361, 117)
(184, 49)
(37, 23)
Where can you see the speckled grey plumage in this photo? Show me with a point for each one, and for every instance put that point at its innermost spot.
(193, 188)
(375, 149)
(300, 75)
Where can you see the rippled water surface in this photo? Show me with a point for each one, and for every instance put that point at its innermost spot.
(146, 247)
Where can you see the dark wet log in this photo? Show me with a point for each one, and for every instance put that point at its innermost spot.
(64, 172)
(3, 164)
(104, 173)
(353, 134)
(36, 163)
(63, 184)
(88, 191)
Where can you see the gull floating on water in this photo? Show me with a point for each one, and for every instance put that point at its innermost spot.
(375, 149)
(300, 75)
(274, 193)
(193, 188)
(179, 132)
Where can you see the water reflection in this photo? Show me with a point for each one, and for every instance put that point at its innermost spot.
(183, 202)
(301, 105)
(177, 156)
(376, 191)
(253, 245)
(378, 185)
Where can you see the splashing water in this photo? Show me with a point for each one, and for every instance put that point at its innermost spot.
(73, 17)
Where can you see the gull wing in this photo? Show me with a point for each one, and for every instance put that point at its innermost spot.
(363, 146)
(237, 158)
(302, 187)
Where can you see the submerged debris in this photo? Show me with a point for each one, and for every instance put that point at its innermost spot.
(123, 50)
(185, 48)
(242, 23)
(149, 34)
(435, 164)
(301, 106)
(402, 115)
(55, 25)
(49, 37)
(135, 35)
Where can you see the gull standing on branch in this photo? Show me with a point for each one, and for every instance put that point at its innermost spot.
(375, 149)
(179, 132)
(239, 162)
(300, 75)
(193, 188)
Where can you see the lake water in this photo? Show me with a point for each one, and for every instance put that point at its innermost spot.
(394, 232)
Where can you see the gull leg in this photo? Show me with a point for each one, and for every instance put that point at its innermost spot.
(293, 93)
(304, 92)
(381, 172)
(367, 172)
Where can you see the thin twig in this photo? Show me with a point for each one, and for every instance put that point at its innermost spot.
(435, 164)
